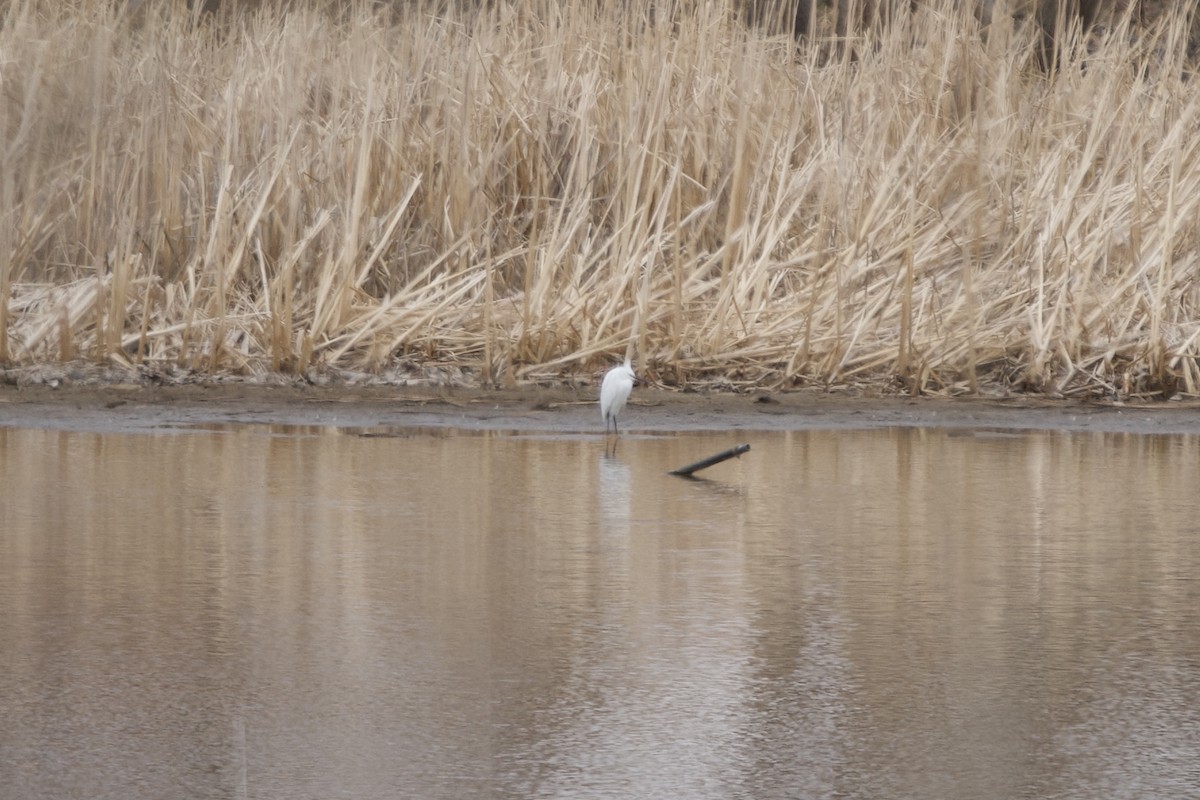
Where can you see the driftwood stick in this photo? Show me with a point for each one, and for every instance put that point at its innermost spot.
(708, 462)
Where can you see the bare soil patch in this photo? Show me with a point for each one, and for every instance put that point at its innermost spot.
(565, 410)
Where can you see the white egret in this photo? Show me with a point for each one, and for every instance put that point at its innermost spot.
(614, 391)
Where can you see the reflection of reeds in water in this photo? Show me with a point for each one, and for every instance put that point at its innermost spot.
(520, 188)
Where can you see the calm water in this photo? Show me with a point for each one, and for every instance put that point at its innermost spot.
(307, 613)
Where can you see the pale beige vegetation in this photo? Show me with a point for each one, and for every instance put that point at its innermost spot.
(523, 190)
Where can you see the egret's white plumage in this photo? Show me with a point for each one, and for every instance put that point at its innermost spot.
(614, 391)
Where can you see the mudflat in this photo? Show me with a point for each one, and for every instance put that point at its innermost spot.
(133, 407)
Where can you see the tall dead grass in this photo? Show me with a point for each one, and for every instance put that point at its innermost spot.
(530, 188)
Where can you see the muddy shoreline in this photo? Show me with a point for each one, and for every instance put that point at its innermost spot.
(562, 410)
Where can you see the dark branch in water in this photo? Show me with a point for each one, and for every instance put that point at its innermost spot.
(708, 462)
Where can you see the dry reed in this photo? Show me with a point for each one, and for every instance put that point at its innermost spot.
(527, 189)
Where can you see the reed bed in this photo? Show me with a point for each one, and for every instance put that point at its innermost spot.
(526, 190)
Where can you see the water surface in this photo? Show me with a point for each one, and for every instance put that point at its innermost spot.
(259, 612)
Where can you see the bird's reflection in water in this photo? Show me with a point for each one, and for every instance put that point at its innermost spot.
(614, 492)
(613, 535)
